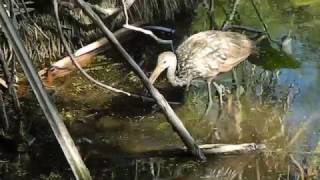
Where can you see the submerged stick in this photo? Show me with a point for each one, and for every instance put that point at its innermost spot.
(303, 129)
(231, 148)
(60, 131)
(208, 149)
(172, 118)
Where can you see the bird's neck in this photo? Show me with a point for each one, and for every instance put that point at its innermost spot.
(172, 78)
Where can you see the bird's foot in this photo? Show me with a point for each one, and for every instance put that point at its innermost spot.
(221, 91)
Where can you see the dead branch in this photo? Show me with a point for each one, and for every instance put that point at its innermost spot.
(231, 148)
(144, 31)
(149, 33)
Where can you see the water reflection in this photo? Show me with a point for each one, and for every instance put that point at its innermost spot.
(167, 168)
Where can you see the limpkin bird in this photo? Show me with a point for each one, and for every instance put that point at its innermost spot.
(203, 56)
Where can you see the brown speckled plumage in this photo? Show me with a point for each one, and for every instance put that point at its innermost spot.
(206, 54)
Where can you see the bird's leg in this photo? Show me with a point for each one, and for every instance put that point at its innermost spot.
(220, 89)
(235, 77)
(210, 103)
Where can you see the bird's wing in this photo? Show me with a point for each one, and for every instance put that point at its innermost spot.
(199, 56)
(209, 52)
(236, 48)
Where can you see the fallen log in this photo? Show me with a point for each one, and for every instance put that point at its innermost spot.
(84, 56)
(231, 148)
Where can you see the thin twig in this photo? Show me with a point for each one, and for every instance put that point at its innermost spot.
(261, 20)
(126, 5)
(232, 14)
(296, 163)
(244, 28)
(301, 130)
(148, 32)
(125, 12)
(144, 31)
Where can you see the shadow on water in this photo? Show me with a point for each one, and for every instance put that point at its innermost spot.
(276, 96)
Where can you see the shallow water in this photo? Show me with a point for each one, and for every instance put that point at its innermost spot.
(277, 105)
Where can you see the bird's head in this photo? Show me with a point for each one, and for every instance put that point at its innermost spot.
(165, 60)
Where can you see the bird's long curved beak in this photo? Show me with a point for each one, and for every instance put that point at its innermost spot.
(155, 74)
